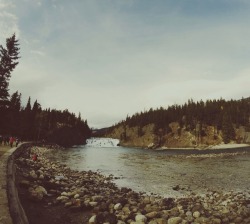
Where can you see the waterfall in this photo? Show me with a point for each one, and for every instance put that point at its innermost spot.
(102, 142)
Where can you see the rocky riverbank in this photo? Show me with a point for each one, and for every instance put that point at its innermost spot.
(52, 193)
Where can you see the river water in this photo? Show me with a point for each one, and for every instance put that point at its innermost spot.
(161, 172)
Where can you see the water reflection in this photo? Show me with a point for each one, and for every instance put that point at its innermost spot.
(155, 171)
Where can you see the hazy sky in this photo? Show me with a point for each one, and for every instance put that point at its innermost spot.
(109, 58)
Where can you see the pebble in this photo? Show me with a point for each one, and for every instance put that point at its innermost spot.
(91, 190)
(140, 218)
(174, 220)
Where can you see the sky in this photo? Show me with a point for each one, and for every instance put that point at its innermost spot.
(107, 59)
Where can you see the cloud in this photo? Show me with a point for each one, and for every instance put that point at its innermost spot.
(37, 52)
(8, 25)
(107, 59)
(4, 4)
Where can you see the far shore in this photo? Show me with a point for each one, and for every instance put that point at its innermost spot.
(211, 147)
(198, 148)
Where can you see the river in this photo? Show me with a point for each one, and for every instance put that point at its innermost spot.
(167, 173)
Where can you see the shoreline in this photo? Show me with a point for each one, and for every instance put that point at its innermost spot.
(88, 196)
(211, 148)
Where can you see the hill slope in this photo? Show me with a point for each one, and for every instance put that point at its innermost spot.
(200, 124)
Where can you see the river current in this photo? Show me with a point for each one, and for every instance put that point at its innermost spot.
(167, 173)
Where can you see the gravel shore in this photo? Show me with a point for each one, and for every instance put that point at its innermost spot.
(53, 193)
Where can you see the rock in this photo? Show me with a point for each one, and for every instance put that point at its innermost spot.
(93, 203)
(37, 194)
(120, 222)
(238, 220)
(76, 196)
(33, 174)
(62, 198)
(176, 188)
(146, 200)
(174, 220)
(225, 211)
(137, 222)
(161, 221)
(202, 220)
(41, 177)
(153, 222)
(97, 198)
(151, 215)
(174, 212)
(92, 220)
(126, 210)
(140, 218)
(41, 190)
(196, 214)
(64, 193)
(68, 204)
(216, 221)
(118, 206)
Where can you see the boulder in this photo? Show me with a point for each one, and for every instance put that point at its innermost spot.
(37, 193)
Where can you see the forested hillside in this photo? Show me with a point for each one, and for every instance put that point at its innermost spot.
(31, 122)
(188, 125)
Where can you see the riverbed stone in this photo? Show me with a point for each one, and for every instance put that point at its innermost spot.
(151, 215)
(118, 206)
(174, 220)
(140, 218)
(62, 198)
(105, 197)
(93, 203)
(92, 220)
(216, 221)
(120, 222)
(126, 210)
(196, 214)
(33, 174)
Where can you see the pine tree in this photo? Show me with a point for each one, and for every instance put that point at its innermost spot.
(14, 114)
(8, 62)
(228, 132)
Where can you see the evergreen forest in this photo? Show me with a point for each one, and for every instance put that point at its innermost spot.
(31, 122)
(223, 115)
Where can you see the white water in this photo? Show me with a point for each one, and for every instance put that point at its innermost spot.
(102, 142)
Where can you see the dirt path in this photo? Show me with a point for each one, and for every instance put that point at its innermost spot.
(3, 149)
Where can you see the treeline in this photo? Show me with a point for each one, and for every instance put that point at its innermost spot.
(223, 115)
(31, 122)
